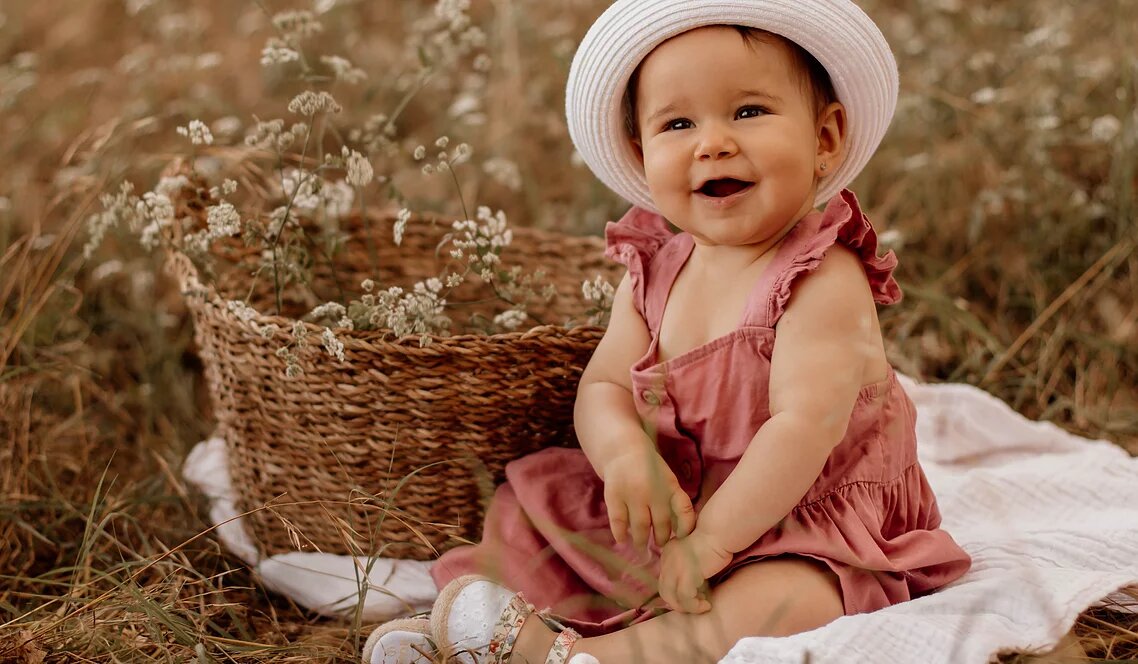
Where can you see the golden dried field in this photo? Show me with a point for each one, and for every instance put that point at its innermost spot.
(1008, 184)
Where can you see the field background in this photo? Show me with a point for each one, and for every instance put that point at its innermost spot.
(1007, 184)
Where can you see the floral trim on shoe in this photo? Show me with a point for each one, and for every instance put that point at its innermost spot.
(562, 645)
(507, 628)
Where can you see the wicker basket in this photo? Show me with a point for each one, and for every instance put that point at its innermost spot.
(396, 450)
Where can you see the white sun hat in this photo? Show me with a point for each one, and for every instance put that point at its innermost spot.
(836, 32)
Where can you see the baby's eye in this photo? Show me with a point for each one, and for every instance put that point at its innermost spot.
(679, 123)
(751, 111)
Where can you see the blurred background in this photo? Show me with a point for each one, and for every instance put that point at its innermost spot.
(1008, 185)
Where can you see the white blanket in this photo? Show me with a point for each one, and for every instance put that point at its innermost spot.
(1049, 519)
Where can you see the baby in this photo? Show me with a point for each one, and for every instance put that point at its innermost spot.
(748, 459)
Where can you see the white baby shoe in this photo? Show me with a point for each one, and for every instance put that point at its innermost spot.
(406, 641)
(476, 621)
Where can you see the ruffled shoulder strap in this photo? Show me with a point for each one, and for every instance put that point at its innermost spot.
(635, 241)
(841, 222)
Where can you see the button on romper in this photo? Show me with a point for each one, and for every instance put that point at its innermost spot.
(871, 516)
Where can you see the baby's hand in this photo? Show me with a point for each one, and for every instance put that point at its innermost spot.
(685, 564)
(644, 497)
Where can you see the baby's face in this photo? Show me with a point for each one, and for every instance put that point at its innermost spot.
(710, 107)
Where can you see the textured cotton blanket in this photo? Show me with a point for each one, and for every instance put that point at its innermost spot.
(1049, 519)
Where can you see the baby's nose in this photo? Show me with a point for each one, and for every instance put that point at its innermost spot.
(716, 144)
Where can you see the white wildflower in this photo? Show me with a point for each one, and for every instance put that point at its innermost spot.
(1105, 128)
(346, 323)
(505, 172)
(327, 310)
(223, 220)
(420, 152)
(892, 238)
(338, 198)
(171, 186)
(465, 106)
(117, 208)
(401, 225)
(598, 291)
(462, 153)
(332, 345)
(241, 310)
(510, 319)
(360, 172)
(984, 96)
(452, 10)
(110, 268)
(196, 244)
(442, 142)
(301, 187)
(227, 187)
(227, 126)
(278, 219)
(265, 134)
(158, 211)
(269, 331)
(343, 69)
(197, 132)
(310, 103)
(299, 334)
(297, 24)
(367, 285)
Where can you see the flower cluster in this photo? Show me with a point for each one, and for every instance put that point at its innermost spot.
(197, 132)
(443, 160)
(418, 312)
(292, 229)
(447, 36)
(480, 242)
(310, 193)
(292, 27)
(599, 293)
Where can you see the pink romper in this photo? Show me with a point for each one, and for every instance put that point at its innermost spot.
(871, 516)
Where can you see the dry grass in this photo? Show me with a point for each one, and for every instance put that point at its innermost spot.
(1012, 205)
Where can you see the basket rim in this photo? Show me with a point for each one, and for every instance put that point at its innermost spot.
(190, 285)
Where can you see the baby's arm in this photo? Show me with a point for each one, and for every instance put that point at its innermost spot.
(604, 414)
(824, 343)
(642, 494)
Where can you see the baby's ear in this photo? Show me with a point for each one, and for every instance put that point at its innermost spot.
(831, 138)
(637, 149)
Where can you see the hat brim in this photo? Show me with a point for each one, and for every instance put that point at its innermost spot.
(837, 33)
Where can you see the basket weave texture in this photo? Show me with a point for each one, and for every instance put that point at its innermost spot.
(396, 450)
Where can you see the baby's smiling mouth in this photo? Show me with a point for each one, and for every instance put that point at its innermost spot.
(721, 188)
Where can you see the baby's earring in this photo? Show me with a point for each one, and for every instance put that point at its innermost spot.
(822, 167)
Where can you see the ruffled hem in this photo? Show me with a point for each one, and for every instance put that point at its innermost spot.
(634, 241)
(842, 221)
(882, 539)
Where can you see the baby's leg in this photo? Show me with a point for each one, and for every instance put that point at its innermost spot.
(774, 597)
